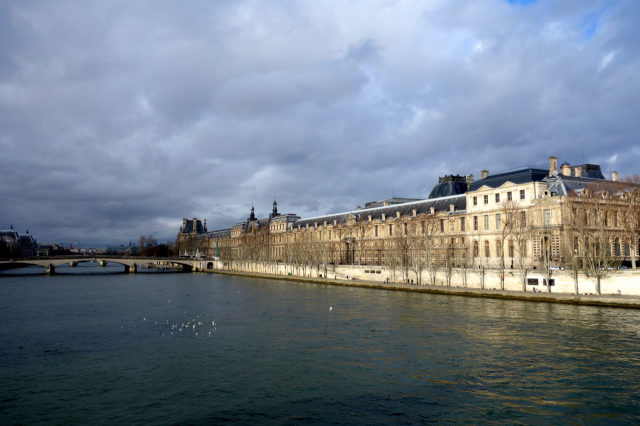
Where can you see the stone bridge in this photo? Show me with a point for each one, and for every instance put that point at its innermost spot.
(130, 263)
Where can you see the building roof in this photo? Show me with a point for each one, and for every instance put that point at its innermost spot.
(518, 176)
(390, 201)
(188, 228)
(406, 209)
(222, 233)
(9, 233)
(449, 185)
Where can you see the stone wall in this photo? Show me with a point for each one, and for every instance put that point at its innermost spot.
(626, 282)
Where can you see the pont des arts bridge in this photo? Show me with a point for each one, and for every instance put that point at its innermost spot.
(130, 263)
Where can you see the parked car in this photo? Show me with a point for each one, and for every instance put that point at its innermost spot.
(556, 268)
(622, 267)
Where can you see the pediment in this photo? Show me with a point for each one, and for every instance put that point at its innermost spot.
(508, 184)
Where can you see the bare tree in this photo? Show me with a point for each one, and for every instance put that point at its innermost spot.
(597, 259)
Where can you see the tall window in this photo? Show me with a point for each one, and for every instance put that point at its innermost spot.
(523, 219)
(486, 199)
(522, 194)
(475, 223)
(461, 240)
(497, 198)
(330, 233)
(376, 231)
(475, 201)
(475, 249)
(462, 224)
(441, 225)
(511, 248)
(486, 222)
(390, 229)
(547, 217)
(405, 229)
(499, 248)
(509, 196)
(487, 249)
(423, 228)
(498, 221)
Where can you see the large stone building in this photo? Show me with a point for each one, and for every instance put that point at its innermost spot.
(13, 243)
(515, 220)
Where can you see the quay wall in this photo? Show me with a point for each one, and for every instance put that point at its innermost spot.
(618, 282)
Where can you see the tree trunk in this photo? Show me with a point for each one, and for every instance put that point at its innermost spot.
(597, 285)
(576, 283)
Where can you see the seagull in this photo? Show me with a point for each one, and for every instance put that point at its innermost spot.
(213, 323)
(144, 319)
(330, 308)
(209, 334)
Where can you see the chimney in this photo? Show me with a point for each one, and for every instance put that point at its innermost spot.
(358, 208)
(184, 223)
(469, 179)
(565, 169)
(484, 174)
(553, 166)
(205, 226)
(415, 212)
(578, 171)
(452, 208)
(386, 203)
(614, 176)
(384, 216)
(369, 218)
(433, 210)
(398, 215)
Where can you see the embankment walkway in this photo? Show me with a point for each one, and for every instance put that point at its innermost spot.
(610, 300)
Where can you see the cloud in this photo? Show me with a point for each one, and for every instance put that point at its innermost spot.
(120, 117)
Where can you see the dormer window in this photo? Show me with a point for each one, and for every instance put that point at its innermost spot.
(486, 199)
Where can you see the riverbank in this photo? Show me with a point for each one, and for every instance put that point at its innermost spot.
(617, 301)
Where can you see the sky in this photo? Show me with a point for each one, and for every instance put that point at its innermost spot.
(120, 118)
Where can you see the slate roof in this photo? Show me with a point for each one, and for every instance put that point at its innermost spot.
(217, 235)
(561, 185)
(518, 176)
(9, 233)
(422, 206)
(390, 201)
(189, 227)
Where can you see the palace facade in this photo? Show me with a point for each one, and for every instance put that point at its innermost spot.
(515, 220)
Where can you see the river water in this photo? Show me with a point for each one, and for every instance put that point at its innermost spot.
(91, 345)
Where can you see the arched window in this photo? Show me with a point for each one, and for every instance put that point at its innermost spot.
(499, 248)
(511, 249)
(616, 245)
(627, 250)
(487, 249)
(475, 249)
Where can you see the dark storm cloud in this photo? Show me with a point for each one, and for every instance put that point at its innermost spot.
(120, 118)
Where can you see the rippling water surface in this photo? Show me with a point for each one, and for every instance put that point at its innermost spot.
(94, 346)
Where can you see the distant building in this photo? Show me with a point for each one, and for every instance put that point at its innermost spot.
(13, 243)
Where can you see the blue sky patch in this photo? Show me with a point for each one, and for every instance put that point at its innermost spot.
(522, 2)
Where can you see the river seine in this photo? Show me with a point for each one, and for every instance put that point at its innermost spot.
(92, 346)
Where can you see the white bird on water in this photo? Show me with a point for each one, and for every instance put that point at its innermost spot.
(330, 308)
(213, 323)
